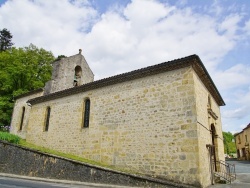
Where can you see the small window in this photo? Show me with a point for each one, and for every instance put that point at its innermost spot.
(22, 118)
(86, 113)
(246, 137)
(47, 119)
(239, 141)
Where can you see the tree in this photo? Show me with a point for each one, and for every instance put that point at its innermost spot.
(229, 145)
(21, 70)
(5, 40)
(60, 57)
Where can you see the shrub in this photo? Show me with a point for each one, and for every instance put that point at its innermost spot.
(5, 128)
(9, 137)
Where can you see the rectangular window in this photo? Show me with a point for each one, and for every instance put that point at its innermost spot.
(47, 119)
(86, 114)
(21, 124)
(246, 137)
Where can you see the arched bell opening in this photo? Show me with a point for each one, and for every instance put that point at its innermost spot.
(77, 76)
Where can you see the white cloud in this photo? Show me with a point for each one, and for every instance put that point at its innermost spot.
(247, 28)
(236, 113)
(160, 31)
(216, 8)
(54, 25)
(237, 116)
(143, 14)
(230, 25)
(234, 77)
(137, 35)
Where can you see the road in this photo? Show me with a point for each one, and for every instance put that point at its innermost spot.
(8, 182)
(240, 166)
(242, 169)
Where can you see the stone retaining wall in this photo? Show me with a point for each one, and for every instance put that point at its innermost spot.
(26, 162)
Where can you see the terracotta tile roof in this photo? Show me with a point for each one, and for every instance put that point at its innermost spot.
(192, 60)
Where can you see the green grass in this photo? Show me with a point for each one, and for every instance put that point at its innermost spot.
(10, 137)
(21, 142)
(57, 153)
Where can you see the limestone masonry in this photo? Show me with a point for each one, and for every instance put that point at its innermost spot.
(162, 121)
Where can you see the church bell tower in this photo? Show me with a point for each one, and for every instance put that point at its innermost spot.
(69, 72)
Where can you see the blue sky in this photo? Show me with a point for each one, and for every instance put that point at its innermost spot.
(122, 35)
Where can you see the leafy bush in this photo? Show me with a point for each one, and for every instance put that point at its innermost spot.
(10, 137)
(5, 128)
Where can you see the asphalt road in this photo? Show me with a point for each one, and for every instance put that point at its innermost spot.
(240, 166)
(7, 182)
(242, 169)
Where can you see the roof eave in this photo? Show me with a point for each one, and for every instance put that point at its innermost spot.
(192, 60)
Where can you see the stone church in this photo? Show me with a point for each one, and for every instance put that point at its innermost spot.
(162, 121)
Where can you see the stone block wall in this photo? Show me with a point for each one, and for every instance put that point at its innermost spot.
(27, 162)
(242, 143)
(17, 114)
(204, 121)
(64, 71)
(147, 125)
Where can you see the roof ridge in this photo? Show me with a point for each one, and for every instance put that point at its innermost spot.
(192, 60)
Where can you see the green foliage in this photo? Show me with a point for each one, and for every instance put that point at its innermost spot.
(60, 57)
(4, 128)
(5, 40)
(9, 137)
(229, 144)
(58, 153)
(6, 106)
(21, 70)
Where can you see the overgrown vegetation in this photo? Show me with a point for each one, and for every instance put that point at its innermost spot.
(9, 137)
(17, 140)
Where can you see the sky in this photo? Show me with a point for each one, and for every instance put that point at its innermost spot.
(118, 36)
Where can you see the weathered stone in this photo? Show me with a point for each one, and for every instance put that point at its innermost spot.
(182, 157)
(146, 123)
(27, 162)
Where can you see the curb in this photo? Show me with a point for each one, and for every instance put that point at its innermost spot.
(61, 181)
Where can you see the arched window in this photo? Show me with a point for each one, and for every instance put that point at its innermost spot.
(47, 119)
(22, 118)
(86, 113)
(77, 76)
